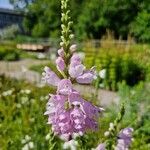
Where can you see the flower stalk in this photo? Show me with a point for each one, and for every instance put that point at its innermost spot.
(112, 133)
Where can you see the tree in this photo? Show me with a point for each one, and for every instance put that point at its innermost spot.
(141, 27)
(43, 19)
(19, 4)
(91, 17)
(99, 15)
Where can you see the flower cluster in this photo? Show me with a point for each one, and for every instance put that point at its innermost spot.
(68, 113)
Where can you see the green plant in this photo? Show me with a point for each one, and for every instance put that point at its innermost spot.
(137, 112)
(9, 53)
(120, 64)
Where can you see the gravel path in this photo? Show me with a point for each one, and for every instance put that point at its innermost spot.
(19, 70)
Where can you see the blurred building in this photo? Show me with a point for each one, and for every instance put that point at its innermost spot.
(9, 17)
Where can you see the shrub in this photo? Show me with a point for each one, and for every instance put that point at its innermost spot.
(9, 54)
(141, 26)
(9, 32)
(119, 66)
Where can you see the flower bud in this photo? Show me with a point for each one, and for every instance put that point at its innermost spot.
(61, 44)
(111, 125)
(61, 52)
(71, 36)
(60, 64)
(73, 48)
(107, 133)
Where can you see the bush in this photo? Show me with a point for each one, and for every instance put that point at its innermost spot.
(119, 65)
(137, 113)
(21, 114)
(141, 27)
(9, 32)
(9, 54)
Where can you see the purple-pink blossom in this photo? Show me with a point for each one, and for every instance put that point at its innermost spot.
(124, 139)
(50, 77)
(60, 64)
(64, 87)
(77, 70)
(69, 114)
(101, 146)
(86, 78)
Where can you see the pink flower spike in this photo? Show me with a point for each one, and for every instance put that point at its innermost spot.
(60, 64)
(50, 77)
(64, 87)
(61, 52)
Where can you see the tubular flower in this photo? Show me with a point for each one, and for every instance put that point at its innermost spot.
(73, 48)
(50, 77)
(61, 52)
(60, 64)
(64, 87)
(101, 147)
(124, 139)
(77, 71)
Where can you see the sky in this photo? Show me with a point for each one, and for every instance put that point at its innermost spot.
(5, 4)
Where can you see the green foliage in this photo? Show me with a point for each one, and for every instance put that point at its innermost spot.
(141, 26)
(43, 18)
(9, 54)
(21, 114)
(40, 30)
(91, 18)
(9, 33)
(119, 64)
(137, 113)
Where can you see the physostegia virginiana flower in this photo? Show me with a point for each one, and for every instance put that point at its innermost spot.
(68, 113)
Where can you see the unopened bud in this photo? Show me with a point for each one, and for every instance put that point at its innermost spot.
(73, 48)
(111, 125)
(107, 133)
(61, 52)
(71, 36)
(61, 44)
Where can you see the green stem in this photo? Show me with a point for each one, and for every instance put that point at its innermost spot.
(113, 131)
(66, 33)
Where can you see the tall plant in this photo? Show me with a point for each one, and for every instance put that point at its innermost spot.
(69, 115)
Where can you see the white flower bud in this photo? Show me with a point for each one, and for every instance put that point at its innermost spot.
(31, 145)
(73, 48)
(102, 73)
(71, 36)
(111, 125)
(61, 43)
(106, 133)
